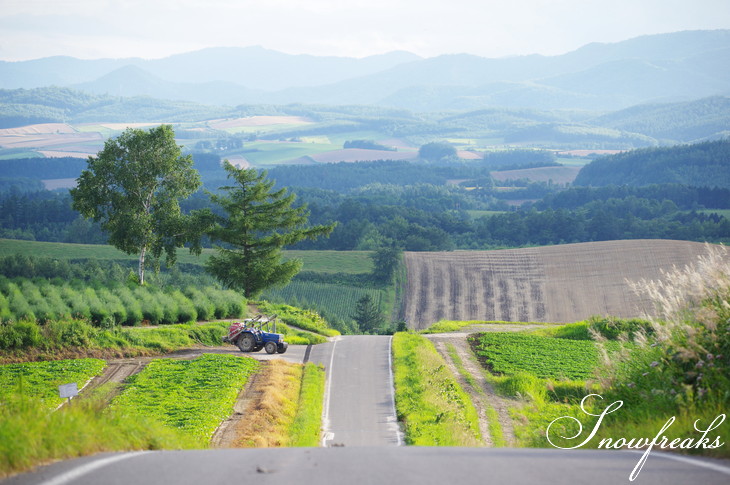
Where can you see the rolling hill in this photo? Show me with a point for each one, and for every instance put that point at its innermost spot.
(560, 284)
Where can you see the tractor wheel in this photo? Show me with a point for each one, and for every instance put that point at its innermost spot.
(270, 347)
(246, 342)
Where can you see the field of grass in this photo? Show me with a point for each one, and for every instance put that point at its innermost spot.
(429, 401)
(351, 262)
(192, 396)
(40, 380)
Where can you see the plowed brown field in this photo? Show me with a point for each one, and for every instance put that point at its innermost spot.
(558, 284)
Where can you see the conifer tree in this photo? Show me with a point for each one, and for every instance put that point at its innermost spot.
(257, 224)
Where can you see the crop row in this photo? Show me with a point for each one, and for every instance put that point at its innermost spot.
(193, 396)
(333, 299)
(544, 357)
(40, 380)
(43, 301)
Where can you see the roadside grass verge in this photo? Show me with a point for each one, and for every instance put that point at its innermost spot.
(288, 411)
(434, 409)
(495, 429)
(307, 426)
(30, 435)
(192, 396)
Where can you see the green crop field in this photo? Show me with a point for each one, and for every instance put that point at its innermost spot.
(40, 380)
(351, 262)
(334, 299)
(193, 396)
(544, 357)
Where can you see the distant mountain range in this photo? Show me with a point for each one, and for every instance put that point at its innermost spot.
(674, 67)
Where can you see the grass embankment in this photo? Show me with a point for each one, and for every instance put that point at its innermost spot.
(433, 407)
(300, 318)
(26, 341)
(289, 411)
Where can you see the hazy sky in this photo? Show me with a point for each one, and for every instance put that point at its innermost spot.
(492, 28)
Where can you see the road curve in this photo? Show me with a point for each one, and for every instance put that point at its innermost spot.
(359, 409)
(377, 465)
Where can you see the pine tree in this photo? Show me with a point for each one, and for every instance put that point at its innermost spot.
(367, 315)
(258, 223)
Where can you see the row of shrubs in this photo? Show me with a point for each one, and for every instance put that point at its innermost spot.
(44, 301)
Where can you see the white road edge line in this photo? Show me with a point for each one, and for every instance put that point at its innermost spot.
(691, 461)
(327, 435)
(90, 467)
(391, 379)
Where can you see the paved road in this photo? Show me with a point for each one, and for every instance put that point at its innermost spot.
(375, 465)
(359, 408)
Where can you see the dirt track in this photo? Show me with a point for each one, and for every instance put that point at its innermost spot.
(484, 396)
(560, 284)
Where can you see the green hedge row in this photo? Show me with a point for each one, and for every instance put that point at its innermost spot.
(44, 301)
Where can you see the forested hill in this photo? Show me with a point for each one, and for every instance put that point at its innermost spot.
(699, 165)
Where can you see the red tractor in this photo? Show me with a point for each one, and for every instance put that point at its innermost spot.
(252, 335)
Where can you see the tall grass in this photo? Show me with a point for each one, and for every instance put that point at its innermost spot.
(30, 435)
(681, 367)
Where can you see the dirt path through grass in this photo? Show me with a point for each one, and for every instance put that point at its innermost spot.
(481, 392)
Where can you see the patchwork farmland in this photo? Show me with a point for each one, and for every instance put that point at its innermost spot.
(560, 284)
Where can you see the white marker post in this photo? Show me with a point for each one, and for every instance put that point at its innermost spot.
(68, 391)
